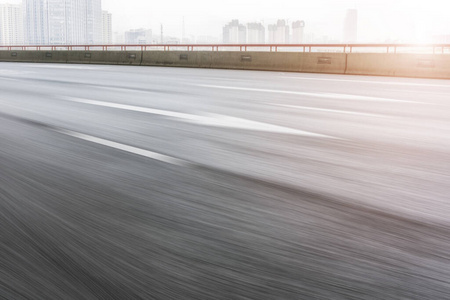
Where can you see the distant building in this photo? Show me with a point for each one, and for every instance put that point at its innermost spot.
(206, 39)
(256, 33)
(279, 33)
(234, 33)
(138, 36)
(94, 21)
(11, 24)
(297, 32)
(58, 22)
(118, 38)
(350, 34)
(441, 39)
(107, 36)
(35, 22)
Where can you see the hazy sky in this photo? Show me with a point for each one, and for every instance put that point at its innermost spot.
(378, 19)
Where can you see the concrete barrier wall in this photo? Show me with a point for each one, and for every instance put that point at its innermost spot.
(383, 64)
(85, 57)
(270, 61)
(401, 65)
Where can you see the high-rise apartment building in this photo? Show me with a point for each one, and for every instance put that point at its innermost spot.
(107, 37)
(94, 22)
(11, 24)
(234, 33)
(279, 33)
(256, 33)
(35, 22)
(351, 26)
(59, 22)
(297, 32)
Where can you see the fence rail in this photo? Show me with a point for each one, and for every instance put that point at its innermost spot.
(338, 48)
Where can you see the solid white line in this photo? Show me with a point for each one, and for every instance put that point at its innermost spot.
(320, 95)
(331, 110)
(123, 147)
(367, 81)
(213, 120)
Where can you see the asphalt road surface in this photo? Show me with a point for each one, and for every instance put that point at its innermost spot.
(121, 182)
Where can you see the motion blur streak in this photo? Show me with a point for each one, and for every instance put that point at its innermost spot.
(239, 213)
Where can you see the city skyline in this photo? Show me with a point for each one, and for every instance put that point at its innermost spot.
(379, 21)
(404, 21)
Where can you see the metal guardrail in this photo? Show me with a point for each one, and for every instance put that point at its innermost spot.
(339, 48)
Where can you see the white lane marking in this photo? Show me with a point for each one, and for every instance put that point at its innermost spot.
(331, 110)
(57, 66)
(239, 123)
(126, 90)
(7, 78)
(320, 95)
(371, 82)
(214, 120)
(147, 110)
(126, 148)
(16, 72)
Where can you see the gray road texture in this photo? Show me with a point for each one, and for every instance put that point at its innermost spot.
(124, 182)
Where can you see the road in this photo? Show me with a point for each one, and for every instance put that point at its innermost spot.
(121, 182)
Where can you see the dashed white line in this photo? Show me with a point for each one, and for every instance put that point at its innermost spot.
(370, 82)
(319, 95)
(147, 110)
(330, 110)
(126, 148)
(214, 120)
(9, 79)
(57, 66)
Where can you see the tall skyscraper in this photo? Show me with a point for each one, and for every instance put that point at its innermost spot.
(279, 33)
(55, 17)
(234, 33)
(106, 28)
(94, 33)
(35, 22)
(256, 34)
(351, 26)
(297, 32)
(59, 22)
(11, 24)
